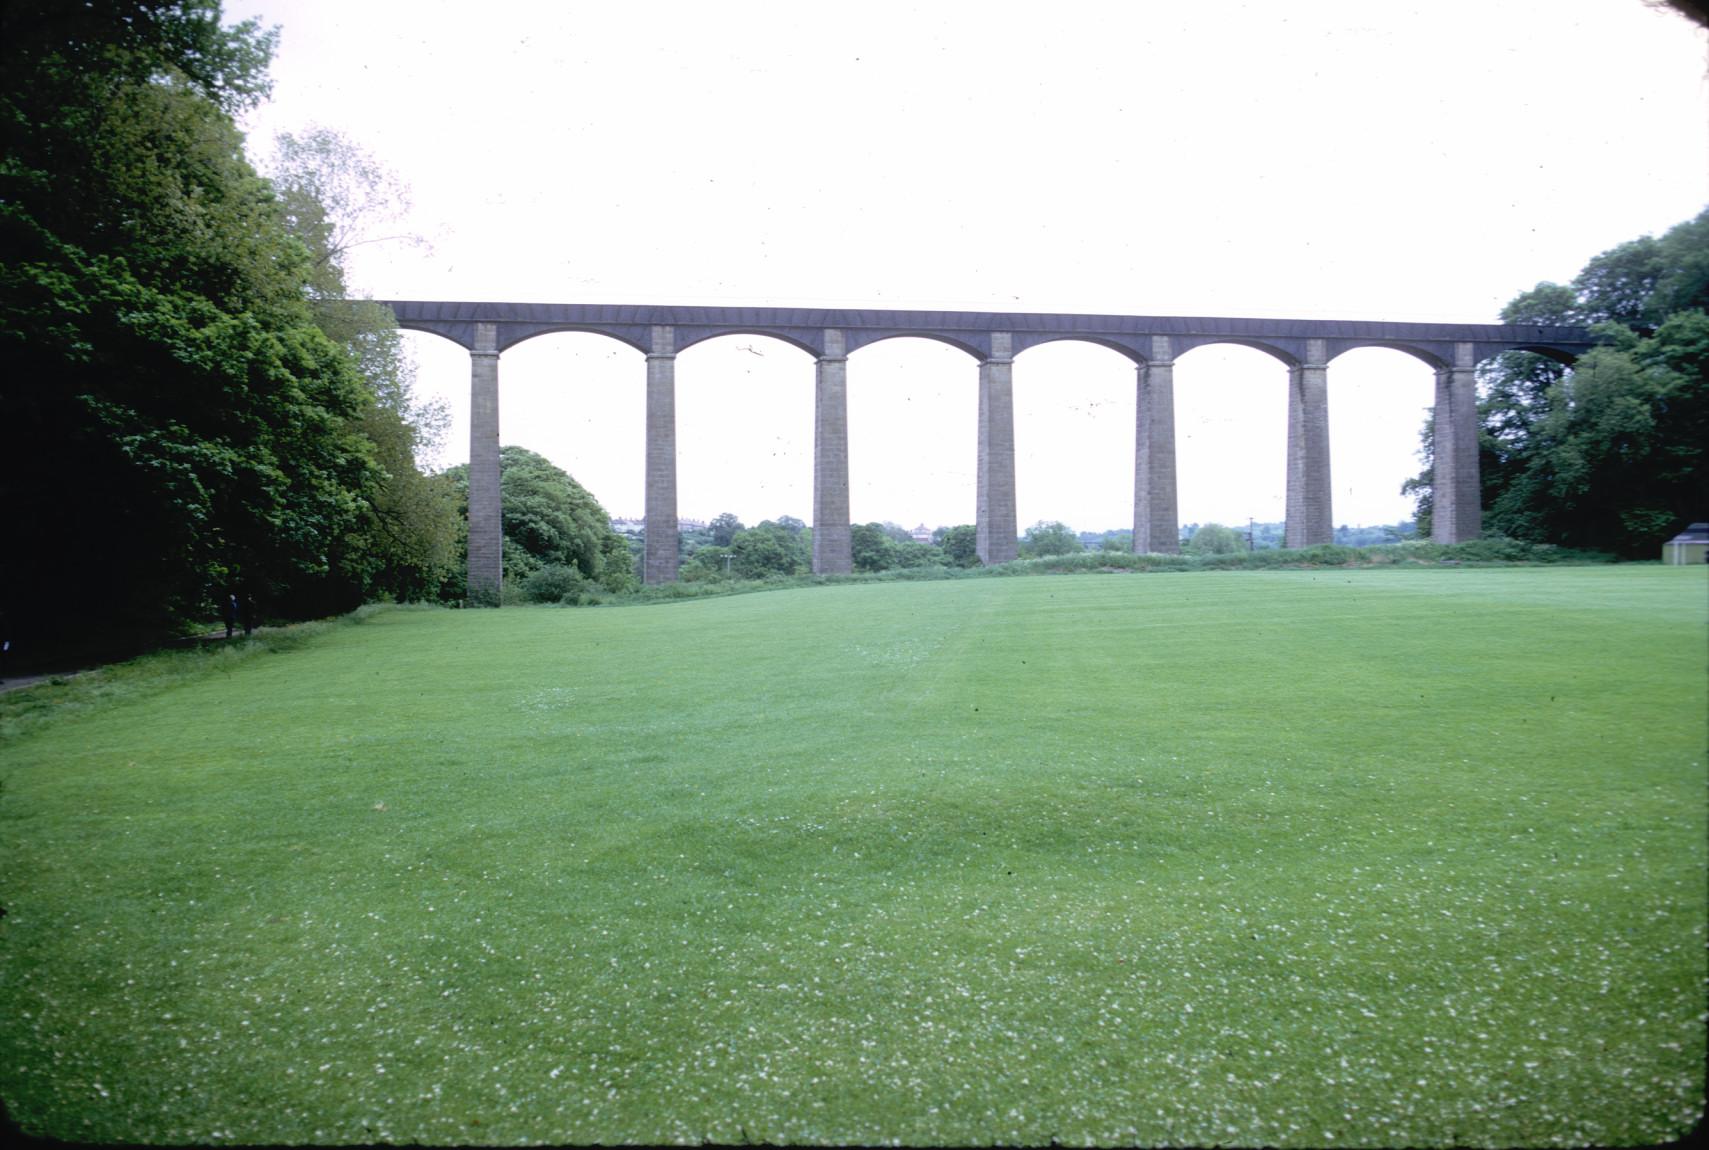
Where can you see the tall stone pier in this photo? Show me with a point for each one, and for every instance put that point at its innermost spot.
(1310, 519)
(995, 486)
(486, 515)
(1156, 528)
(659, 563)
(993, 339)
(1456, 513)
(833, 552)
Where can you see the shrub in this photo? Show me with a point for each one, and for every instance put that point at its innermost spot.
(555, 583)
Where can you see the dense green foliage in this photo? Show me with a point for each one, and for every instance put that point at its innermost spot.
(1608, 454)
(783, 549)
(887, 547)
(333, 195)
(773, 549)
(1214, 539)
(1048, 538)
(960, 544)
(558, 540)
(177, 420)
(1272, 859)
(724, 529)
(778, 554)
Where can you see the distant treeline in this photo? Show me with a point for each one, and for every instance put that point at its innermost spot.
(1218, 539)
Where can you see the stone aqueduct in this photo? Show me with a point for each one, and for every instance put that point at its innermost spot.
(993, 339)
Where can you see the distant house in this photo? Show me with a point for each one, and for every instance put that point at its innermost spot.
(922, 534)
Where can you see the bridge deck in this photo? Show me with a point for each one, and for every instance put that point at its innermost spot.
(1288, 339)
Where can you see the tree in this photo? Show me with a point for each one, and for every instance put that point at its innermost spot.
(913, 553)
(186, 426)
(334, 194)
(871, 548)
(550, 520)
(725, 528)
(1052, 538)
(1215, 539)
(1619, 285)
(1607, 454)
(960, 545)
(770, 549)
(1617, 461)
(710, 563)
(1697, 10)
(1684, 282)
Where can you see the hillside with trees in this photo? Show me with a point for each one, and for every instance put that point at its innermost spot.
(1607, 454)
(188, 413)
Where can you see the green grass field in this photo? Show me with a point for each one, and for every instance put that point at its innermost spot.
(1365, 857)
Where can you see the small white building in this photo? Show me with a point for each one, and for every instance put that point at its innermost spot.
(1689, 546)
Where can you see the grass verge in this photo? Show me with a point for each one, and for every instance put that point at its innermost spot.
(72, 694)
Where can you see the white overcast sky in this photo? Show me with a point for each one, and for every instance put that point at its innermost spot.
(1358, 160)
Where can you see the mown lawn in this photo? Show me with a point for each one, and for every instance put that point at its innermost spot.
(1371, 857)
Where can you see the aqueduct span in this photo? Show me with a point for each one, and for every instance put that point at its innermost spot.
(993, 339)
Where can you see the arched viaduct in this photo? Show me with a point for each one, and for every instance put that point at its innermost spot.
(993, 339)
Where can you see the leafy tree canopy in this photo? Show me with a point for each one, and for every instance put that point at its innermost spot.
(871, 548)
(176, 422)
(724, 529)
(1609, 454)
(334, 195)
(1049, 538)
(960, 544)
(771, 548)
(551, 520)
(1215, 539)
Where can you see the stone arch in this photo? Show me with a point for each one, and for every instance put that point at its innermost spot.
(1430, 359)
(1029, 340)
(1547, 351)
(1380, 395)
(744, 426)
(442, 374)
(912, 423)
(1074, 404)
(578, 399)
(695, 337)
(1231, 432)
(514, 335)
(1288, 358)
(856, 339)
(446, 332)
